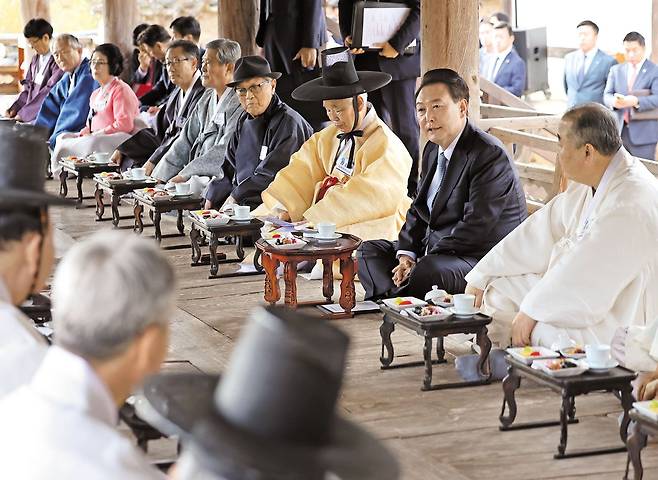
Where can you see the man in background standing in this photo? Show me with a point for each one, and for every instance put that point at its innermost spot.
(507, 68)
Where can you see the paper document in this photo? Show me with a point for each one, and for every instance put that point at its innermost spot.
(380, 24)
(360, 307)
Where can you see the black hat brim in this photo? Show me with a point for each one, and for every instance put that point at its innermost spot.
(273, 75)
(16, 198)
(182, 404)
(315, 90)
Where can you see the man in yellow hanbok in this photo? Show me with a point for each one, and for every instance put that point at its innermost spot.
(354, 172)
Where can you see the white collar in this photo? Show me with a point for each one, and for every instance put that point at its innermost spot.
(638, 69)
(451, 148)
(196, 76)
(602, 187)
(69, 380)
(504, 53)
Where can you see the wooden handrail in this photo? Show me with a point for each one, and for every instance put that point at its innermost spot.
(520, 123)
(488, 110)
(529, 139)
(502, 95)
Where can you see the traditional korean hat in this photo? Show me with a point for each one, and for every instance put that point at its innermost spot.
(339, 79)
(23, 157)
(273, 413)
(249, 67)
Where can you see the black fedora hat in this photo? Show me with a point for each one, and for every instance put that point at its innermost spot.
(273, 412)
(250, 67)
(23, 157)
(339, 79)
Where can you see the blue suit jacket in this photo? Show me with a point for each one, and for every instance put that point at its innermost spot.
(641, 132)
(61, 112)
(593, 85)
(511, 74)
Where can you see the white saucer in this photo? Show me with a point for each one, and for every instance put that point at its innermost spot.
(180, 195)
(608, 367)
(463, 314)
(241, 220)
(327, 239)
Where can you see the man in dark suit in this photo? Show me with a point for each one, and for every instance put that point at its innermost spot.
(469, 198)
(156, 41)
(632, 92)
(507, 68)
(586, 69)
(394, 102)
(291, 32)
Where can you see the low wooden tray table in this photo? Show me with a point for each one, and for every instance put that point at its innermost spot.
(214, 233)
(116, 189)
(82, 171)
(340, 250)
(616, 380)
(641, 428)
(438, 329)
(159, 206)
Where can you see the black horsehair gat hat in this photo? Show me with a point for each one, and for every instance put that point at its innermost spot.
(339, 79)
(274, 410)
(23, 157)
(249, 67)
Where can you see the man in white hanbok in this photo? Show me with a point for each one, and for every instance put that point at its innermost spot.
(587, 262)
(111, 314)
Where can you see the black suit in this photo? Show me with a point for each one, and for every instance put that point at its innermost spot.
(288, 26)
(395, 103)
(479, 202)
(160, 91)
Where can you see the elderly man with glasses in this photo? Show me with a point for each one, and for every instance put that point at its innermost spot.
(200, 148)
(267, 134)
(147, 146)
(66, 107)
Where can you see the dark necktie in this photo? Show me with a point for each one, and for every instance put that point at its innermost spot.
(346, 137)
(581, 70)
(441, 164)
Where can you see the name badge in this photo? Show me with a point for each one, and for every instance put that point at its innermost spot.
(263, 152)
(341, 166)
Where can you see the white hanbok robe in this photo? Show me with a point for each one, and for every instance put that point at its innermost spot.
(21, 346)
(62, 426)
(581, 266)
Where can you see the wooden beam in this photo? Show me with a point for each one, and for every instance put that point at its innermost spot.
(537, 173)
(238, 20)
(506, 135)
(119, 19)
(520, 123)
(654, 31)
(503, 96)
(35, 9)
(449, 35)
(488, 110)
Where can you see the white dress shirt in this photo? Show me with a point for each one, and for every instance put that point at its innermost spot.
(186, 93)
(21, 346)
(436, 181)
(497, 61)
(589, 57)
(62, 426)
(41, 70)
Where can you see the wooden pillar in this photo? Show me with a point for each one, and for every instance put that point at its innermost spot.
(35, 9)
(119, 19)
(654, 31)
(238, 20)
(449, 39)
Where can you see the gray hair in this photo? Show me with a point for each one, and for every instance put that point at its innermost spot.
(228, 51)
(107, 291)
(594, 124)
(71, 40)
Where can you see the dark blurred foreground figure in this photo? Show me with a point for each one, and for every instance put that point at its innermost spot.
(273, 414)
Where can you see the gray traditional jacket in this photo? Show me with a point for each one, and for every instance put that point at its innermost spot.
(201, 145)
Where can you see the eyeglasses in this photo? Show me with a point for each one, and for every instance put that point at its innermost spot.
(93, 63)
(175, 61)
(254, 89)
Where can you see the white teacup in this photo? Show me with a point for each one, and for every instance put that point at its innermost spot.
(138, 173)
(242, 212)
(183, 188)
(326, 229)
(464, 302)
(99, 157)
(598, 356)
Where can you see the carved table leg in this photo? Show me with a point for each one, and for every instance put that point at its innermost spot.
(139, 224)
(115, 209)
(214, 262)
(510, 384)
(385, 331)
(564, 423)
(239, 249)
(78, 184)
(196, 248)
(427, 356)
(627, 404)
(63, 186)
(290, 281)
(179, 222)
(327, 279)
(257, 263)
(637, 440)
(100, 206)
(440, 350)
(572, 410)
(484, 343)
(157, 218)
(347, 290)
(272, 291)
